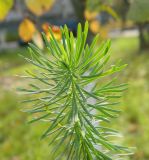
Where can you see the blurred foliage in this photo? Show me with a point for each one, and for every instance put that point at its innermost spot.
(139, 13)
(100, 15)
(101, 6)
(121, 7)
(90, 10)
(139, 10)
(39, 7)
(26, 30)
(89, 15)
(97, 27)
(5, 6)
(55, 29)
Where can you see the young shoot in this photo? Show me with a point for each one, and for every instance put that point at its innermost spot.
(78, 118)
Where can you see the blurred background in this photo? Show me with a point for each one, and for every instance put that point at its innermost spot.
(125, 22)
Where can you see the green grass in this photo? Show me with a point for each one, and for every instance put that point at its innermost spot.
(135, 102)
(18, 140)
(10, 60)
(21, 141)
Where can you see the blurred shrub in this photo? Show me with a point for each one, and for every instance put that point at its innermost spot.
(139, 11)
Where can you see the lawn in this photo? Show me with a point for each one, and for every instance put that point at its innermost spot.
(133, 122)
(20, 141)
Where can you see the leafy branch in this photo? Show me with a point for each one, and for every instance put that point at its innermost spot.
(62, 100)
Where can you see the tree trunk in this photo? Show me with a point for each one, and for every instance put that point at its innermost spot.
(79, 8)
(144, 42)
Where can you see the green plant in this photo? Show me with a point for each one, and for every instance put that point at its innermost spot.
(62, 100)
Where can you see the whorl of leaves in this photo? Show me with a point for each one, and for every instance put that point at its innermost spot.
(61, 99)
